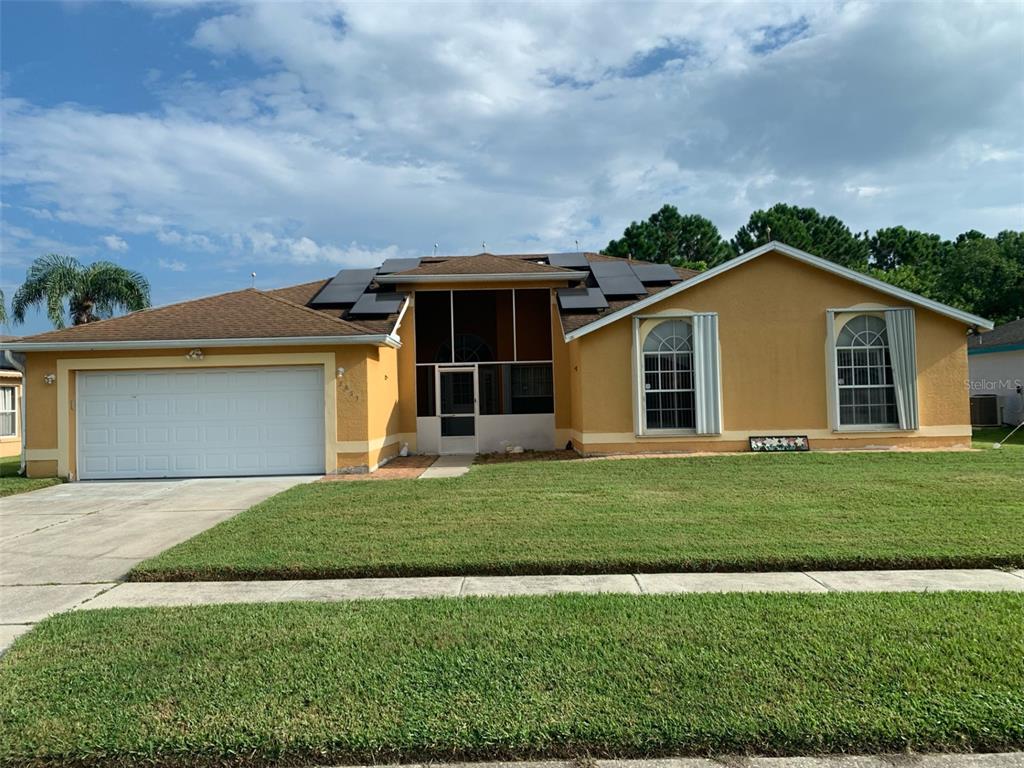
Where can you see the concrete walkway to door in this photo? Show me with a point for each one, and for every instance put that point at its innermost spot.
(65, 544)
(452, 465)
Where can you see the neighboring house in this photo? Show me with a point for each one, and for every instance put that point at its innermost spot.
(479, 353)
(10, 400)
(996, 363)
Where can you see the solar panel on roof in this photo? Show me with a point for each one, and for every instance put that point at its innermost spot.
(378, 304)
(568, 260)
(345, 287)
(390, 266)
(581, 298)
(655, 273)
(617, 278)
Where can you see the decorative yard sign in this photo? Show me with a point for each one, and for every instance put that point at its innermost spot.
(772, 444)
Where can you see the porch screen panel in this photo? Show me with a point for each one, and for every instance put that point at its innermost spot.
(707, 374)
(511, 389)
(426, 396)
(433, 327)
(533, 324)
(899, 325)
(482, 326)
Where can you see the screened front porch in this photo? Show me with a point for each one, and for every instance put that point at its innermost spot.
(484, 377)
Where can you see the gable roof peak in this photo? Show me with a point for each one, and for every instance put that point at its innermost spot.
(775, 246)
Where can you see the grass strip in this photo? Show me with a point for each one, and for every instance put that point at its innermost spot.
(511, 678)
(727, 513)
(11, 482)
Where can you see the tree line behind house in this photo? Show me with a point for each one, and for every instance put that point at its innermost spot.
(977, 273)
(974, 272)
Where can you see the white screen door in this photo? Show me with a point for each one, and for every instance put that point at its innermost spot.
(456, 405)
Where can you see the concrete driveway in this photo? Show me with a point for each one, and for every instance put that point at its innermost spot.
(65, 544)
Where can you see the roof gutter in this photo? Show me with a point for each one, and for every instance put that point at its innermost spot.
(394, 340)
(518, 277)
(982, 350)
(376, 339)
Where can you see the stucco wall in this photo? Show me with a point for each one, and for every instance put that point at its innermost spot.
(11, 444)
(772, 333)
(406, 361)
(385, 436)
(349, 443)
(562, 373)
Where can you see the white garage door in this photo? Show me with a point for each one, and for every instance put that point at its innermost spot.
(200, 423)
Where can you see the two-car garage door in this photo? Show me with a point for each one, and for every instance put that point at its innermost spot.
(200, 423)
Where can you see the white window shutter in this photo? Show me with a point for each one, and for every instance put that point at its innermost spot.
(707, 374)
(830, 375)
(899, 326)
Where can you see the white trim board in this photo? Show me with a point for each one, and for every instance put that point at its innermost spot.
(381, 339)
(793, 253)
(517, 277)
(813, 433)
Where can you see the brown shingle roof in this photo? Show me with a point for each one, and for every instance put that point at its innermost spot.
(245, 314)
(483, 264)
(304, 293)
(1001, 335)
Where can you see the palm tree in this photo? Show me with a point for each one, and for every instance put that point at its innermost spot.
(3, 309)
(92, 292)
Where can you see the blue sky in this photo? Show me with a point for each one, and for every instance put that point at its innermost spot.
(198, 142)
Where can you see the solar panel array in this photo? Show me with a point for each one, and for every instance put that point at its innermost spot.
(581, 298)
(609, 279)
(652, 274)
(344, 288)
(378, 304)
(568, 260)
(390, 266)
(617, 278)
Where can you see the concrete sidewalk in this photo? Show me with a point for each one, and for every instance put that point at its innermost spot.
(141, 594)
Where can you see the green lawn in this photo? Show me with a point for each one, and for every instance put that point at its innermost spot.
(984, 437)
(749, 512)
(11, 483)
(517, 677)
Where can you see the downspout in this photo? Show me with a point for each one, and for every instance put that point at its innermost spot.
(9, 357)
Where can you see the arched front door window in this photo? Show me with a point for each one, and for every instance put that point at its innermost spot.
(867, 396)
(668, 376)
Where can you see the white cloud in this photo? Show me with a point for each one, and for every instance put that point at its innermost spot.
(114, 243)
(188, 240)
(172, 264)
(392, 127)
(864, 191)
(305, 250)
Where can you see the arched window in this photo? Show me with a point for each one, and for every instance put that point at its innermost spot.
(867, 395)
(469, 348)
(668, 376)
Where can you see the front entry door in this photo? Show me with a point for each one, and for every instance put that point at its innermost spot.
(456, 394)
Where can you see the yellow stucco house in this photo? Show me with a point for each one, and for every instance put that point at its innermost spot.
(10, 402)
(481, 353)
